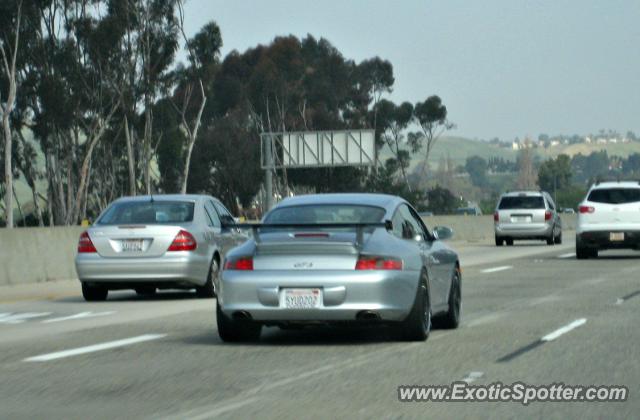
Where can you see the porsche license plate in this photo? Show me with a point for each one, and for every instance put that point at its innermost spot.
(301, 298)
(616, 236)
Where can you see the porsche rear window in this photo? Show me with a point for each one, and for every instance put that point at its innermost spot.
(521, 202)
(148, 213)
(615, 195)
(326, 213)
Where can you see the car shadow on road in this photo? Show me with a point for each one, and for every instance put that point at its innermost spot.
(133, 297)
(615, 257)
(308, 336)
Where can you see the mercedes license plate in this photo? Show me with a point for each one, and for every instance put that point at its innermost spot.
(132, 245)
(616, 236)
(302, 298)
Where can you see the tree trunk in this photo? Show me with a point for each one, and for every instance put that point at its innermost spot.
(147, 147)
(8, 173)
(36, 204)
(193, 135)
(24, 222)
(10, 69)
(131, 158)
(98, 131)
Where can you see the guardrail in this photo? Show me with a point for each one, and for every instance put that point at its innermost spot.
(34, 255)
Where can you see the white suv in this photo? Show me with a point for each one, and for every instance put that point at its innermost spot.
(609, 218)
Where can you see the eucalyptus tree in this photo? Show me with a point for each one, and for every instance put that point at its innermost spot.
(431, 116)
(393, 121)
(195, 80)
(10, 21)
(73, 82)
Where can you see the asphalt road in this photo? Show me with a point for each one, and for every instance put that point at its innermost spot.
(160, 357)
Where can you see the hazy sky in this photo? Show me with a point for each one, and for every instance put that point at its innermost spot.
(503, 68)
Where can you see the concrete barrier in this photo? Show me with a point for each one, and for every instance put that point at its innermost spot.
(480, 228)
(33, 255)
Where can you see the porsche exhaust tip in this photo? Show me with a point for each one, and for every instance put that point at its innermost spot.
(368, 316)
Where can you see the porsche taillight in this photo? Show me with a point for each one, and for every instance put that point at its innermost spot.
(368, 262)
(241, 264)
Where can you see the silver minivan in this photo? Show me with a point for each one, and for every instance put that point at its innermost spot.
(527, 215)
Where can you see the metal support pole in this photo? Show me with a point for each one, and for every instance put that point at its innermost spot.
(268, 176)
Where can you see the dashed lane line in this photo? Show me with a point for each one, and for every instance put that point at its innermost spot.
(496, 269)
(80, 315)
(96, 347)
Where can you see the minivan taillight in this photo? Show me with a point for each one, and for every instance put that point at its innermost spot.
(586, 209)
(84, 243)
(367, 262)
(184, 241)
(496, 217)
(242, 264)
(547, 215)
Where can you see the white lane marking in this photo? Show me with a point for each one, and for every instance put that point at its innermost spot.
(619, 301)
(569, 255)
(472, 376)
(563, 330)
(96, 347)
(77, 316)
(19, 318)
(496, 269)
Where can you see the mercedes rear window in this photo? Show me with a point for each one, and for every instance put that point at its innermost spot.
(148, 213)
(521, 202)
(326, 213)
(615, 195)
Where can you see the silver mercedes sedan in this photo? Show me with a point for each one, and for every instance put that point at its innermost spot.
(156, 242)
(336, 258)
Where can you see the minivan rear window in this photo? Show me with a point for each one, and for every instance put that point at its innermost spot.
(524, 202)
(615, 195)
(148, 213)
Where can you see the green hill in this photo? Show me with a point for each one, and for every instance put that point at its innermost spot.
(460, 148)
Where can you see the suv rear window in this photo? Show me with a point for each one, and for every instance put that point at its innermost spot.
(615, 195)
(148, 213)
(517, 202)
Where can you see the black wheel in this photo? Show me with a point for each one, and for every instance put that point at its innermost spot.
(499, 241)
(451, 318)
(593, 253)
(558, 239)
(550, 239)
(509, 241)
(582, 253)
(208, 289)
(94, 293)
(146, 290)
(417, 324)
(233, 331)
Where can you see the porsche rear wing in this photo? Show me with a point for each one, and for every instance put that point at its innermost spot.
(359, 227)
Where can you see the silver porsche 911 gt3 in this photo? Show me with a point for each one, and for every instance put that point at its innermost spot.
(335, 258)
